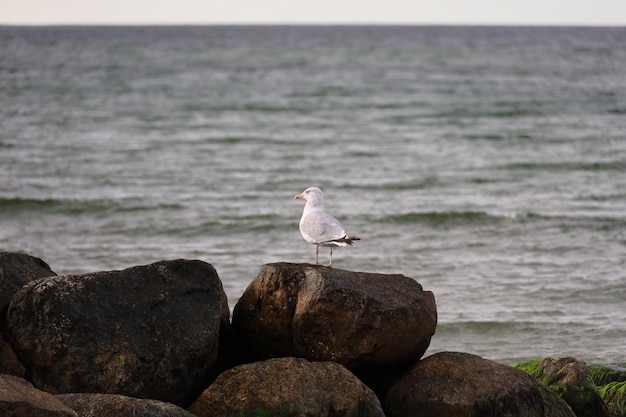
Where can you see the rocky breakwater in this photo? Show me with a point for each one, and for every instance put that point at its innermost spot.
(304, 341)
(149, 331)
(376, 326)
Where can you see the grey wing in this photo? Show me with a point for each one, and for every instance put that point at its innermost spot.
(321, 227)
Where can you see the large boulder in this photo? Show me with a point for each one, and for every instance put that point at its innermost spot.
(287, 387)
(113, 405)
(571, 380)
(18, 398)
(17, 270)
(460, 385)
(358, 319)
(148, 331)
(9, 363)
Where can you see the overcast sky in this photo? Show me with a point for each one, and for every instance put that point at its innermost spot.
(560, 12)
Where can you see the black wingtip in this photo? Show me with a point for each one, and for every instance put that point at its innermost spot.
(348, 239)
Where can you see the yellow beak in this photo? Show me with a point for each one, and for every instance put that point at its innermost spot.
(297, 196)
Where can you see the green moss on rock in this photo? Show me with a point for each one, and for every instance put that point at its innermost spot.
(571, 380)
(604, 374)
(614, 394)
(531, 368)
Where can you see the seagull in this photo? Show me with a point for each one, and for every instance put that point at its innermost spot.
(318, 227)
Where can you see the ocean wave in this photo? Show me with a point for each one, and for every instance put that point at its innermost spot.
(497, 112)
(27, 203)
(227, 225)
(494, 326)
(484, 326)
(75, 206)
(420, 184)
(470, 217)
(253, 107)
(619, 166)
(601, 222)
(498, 137)
(437, 218)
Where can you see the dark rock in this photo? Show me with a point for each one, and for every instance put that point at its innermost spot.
(460, 385)
(287, 387)
(9, 363)
(570, 379)
(149, 331)
(360, 320)
(17, 270)
(18, 398)
(113, 405)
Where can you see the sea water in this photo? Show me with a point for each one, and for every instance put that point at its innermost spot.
(487, 163)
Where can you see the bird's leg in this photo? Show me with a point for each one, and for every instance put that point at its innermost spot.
(330, 265)
(317, 251)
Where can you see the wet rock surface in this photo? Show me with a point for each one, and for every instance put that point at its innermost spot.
(455, 384)
(17, 270)
(149, 331)
(18, 398)
(9, 363)
(288, 387)
(112, 405)
(358, 319)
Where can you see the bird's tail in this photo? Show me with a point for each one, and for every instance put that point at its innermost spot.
(347, 239)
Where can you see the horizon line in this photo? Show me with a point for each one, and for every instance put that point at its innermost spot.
(314, 24)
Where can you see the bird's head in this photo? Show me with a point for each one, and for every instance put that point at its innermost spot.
(312, 195)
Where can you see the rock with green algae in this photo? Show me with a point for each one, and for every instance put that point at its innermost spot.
(611, 382)
(455, 384)
(571, 380)
(604, 374)
(614, 394)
